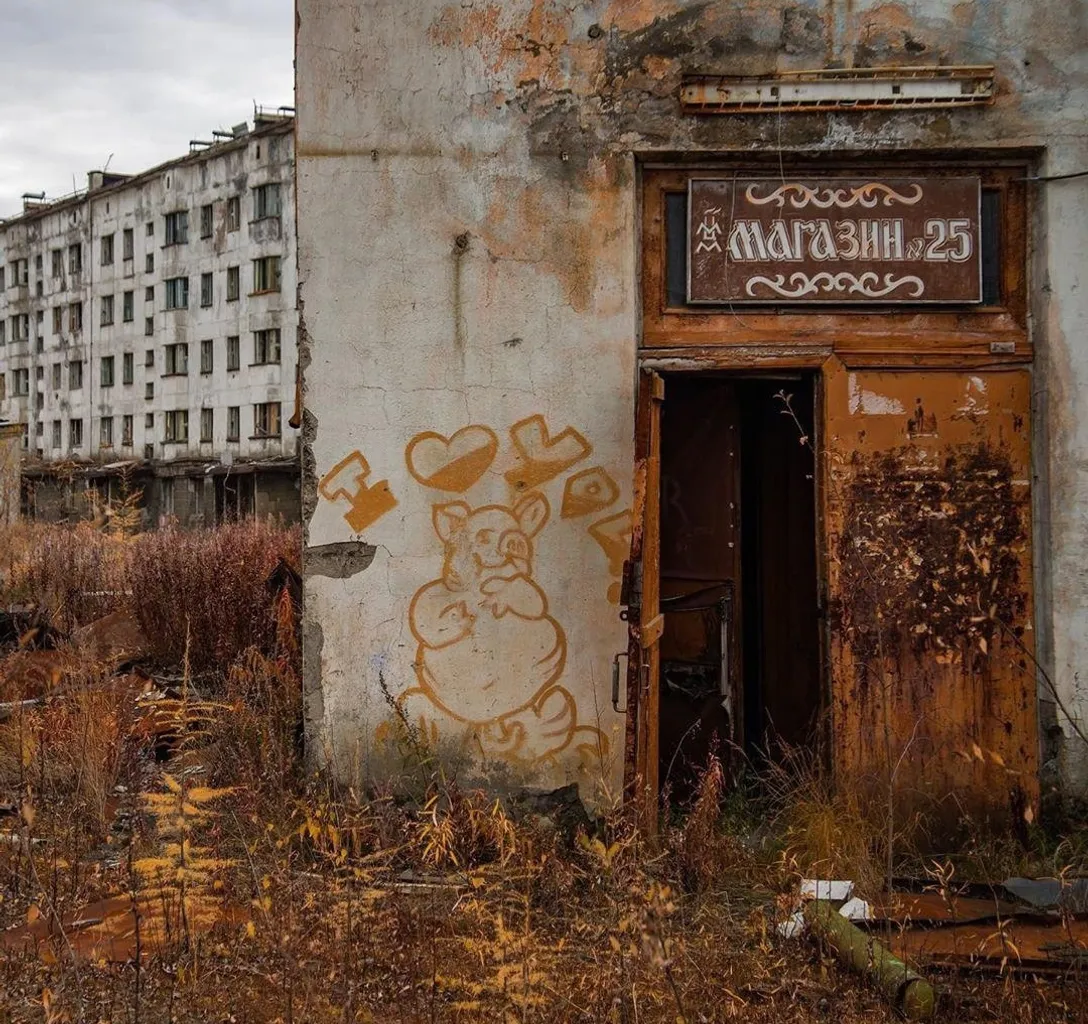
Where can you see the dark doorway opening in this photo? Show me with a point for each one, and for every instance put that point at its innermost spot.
(740, 652)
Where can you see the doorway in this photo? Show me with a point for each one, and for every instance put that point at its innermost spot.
(740, 655)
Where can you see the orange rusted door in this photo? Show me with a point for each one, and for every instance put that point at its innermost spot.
(642, 592)
(928, 513)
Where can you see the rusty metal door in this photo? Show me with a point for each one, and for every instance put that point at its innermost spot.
(927, 507)
(641, 597)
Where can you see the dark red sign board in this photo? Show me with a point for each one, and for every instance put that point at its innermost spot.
(834, 240)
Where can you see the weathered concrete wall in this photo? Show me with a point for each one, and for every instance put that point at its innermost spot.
(467, 237)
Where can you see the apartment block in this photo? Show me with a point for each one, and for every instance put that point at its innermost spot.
(148, 335)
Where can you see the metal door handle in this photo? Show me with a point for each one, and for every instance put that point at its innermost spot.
(616, 683)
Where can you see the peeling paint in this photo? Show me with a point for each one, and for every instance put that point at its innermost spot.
(340, 560)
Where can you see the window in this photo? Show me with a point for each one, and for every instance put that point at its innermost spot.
(126, 431)
(4, 383)
(107, 310)
(20, 271)
(128, 307)
(266, 201)
(149, 293)
(126, 368)
(206, 221)
(75, 433)
(266, 274)
(149, 421)
(234, 423)
(20, 327)
(39, 288)
(234, 283)
(38, 264)
(105, 432)
(126, 244)
(56, 376)
(3, 329)
(206, 356)
(106, 372)
(149, 357)
(75, 259)
(176, 426)
(56, 258)
(177, 227)
(75, 375)
(149, 263)
(177, 293)
(56, 433)
(75, 316)
(20, 383)
(266, 346)
(149, 390)
(176, 362)
(2, 285)
(234, 213)
(266, 419)
(205, 290)
(39, 373)
(58, 319)
(106, 249)
(149, 326)
(234, 355)
(207, 425)
(150, 232)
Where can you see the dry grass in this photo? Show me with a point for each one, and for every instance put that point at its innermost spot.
(267, 894)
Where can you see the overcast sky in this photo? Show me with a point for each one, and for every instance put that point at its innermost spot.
(81, 79)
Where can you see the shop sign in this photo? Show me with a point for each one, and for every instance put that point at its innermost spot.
(834, 240)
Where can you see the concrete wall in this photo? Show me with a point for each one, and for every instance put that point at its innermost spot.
(467, 238)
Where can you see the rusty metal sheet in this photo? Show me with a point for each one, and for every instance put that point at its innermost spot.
(834, 240)
(928, 509)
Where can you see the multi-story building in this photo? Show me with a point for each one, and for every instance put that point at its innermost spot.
(148, 334)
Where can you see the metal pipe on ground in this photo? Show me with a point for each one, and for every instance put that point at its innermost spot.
(908, 991)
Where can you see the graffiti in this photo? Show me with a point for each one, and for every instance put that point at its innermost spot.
(614, 536)
(590, 491)
(452, 463)
(347, 480)
(490, 655)
(542, 457)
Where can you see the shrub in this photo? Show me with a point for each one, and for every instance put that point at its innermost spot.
(209, 586)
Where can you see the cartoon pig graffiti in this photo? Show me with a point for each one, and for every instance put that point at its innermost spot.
(489, 653)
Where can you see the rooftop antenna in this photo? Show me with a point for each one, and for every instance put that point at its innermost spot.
(107, 166)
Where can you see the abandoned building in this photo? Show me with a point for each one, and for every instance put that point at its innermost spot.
(148, 335)
(695, 376)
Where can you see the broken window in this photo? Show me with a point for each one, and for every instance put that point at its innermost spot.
(206, 221)
(75, 433)
(57, 369)
(177, 227)
(234, 423)
(106, 372)
(149, 263)
(206, 356)
(234, 356)
(127, 244)
(126, 368)
(107, 311)
(234, 213)
(20, 327)
(126, 431)
(266, 274)
(266, 201)
(75, 375)
(149, 326)
(234, 283)
(75, 317)
(266, 346)
(105, 245)
(128, 307)
(20, 383)
(176, 362)
(56, 433)
(207, 425)
(75, 259)
(176, 426)
(3, 330)
(266, 419)
(205, 290)
(177, 293)
(105, 432)
(57, 261)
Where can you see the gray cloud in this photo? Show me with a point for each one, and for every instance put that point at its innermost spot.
(81, 79)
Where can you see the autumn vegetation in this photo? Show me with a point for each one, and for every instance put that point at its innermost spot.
(168, 854)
